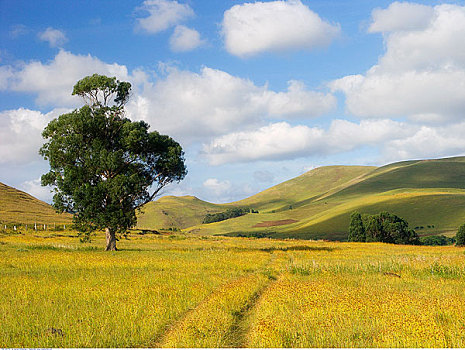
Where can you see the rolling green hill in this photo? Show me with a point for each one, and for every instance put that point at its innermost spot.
(429, 194)
(176, 212)
(19, 207)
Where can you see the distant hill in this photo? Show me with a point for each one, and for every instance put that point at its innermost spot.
(19, 207)
(429, 194)
(176, 212)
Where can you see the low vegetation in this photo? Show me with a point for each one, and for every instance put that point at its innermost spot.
(228, 214)
(437, 240)
(382, 227)
(460, 237)
(172, 289)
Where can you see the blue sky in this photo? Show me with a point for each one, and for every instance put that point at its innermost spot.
(255, 92)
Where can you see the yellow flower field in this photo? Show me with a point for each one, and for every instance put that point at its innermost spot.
(186, 291)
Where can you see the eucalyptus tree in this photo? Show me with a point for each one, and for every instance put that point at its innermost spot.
(103, 166)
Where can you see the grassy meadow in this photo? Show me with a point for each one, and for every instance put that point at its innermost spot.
(203, 291)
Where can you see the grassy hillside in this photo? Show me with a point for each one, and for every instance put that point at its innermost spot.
(176, 212)
(305, 188)
(429, 194)
(19, 207)
(188, 211)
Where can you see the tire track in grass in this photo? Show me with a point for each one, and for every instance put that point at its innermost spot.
(237, 337)
(209, 324)
(220, 319)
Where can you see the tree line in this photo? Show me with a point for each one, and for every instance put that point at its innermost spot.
(228, 214)
(389, 228)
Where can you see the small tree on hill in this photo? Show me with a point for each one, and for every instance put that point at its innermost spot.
(104, 166)
(460, 237)
(356, 228)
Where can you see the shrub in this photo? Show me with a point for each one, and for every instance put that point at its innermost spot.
(436, 240)
(460, 237)
(356, 228)
(382, 227)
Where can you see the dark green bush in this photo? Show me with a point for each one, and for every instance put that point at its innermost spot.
(228, 214)
(382, 227)
(436, 240)
(460, 237)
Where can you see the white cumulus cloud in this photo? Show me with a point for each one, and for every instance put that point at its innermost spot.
(280, 141)
(162, 14)
(53, 81)
(35, 189)
(54, 37)
(219, 188)
(422, 73)
(428, 142)
(401, 16)
(21, 134)
(185, 39)
(252, 28)
(193, 106)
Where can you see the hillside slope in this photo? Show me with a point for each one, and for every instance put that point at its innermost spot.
(429, 194)
(176, 212)
(187, 211)
(19, 207)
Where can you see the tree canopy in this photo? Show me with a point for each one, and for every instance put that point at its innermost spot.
(382, 227)
(460, 237)
(103, 166)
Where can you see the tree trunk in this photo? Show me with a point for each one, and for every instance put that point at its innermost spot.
(111, 239)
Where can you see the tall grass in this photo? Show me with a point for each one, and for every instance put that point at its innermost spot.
(184, 291)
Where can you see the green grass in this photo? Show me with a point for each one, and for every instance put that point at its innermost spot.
(175, 212)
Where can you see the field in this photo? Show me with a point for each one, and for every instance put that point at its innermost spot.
(206, 291)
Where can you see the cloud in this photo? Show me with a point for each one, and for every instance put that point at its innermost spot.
(213, 103)
(428, 142)
(163, 14)
(53, 82)
(185, 39)
(54, 37)
(272, 142)
(422, 73)
(34, 188)
(21, 134)
(401, 16)
(219, 188)
(18, 30)
(281, 141)
(253, 28)
(297, 101)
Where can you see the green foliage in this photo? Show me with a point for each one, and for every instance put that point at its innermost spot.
(228, 214)
(356, 228)
(382, 227)
(437, 240)
(102, 165)
(460, 237)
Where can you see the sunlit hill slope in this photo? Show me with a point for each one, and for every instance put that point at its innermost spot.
(429, 194)
(18, 207)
